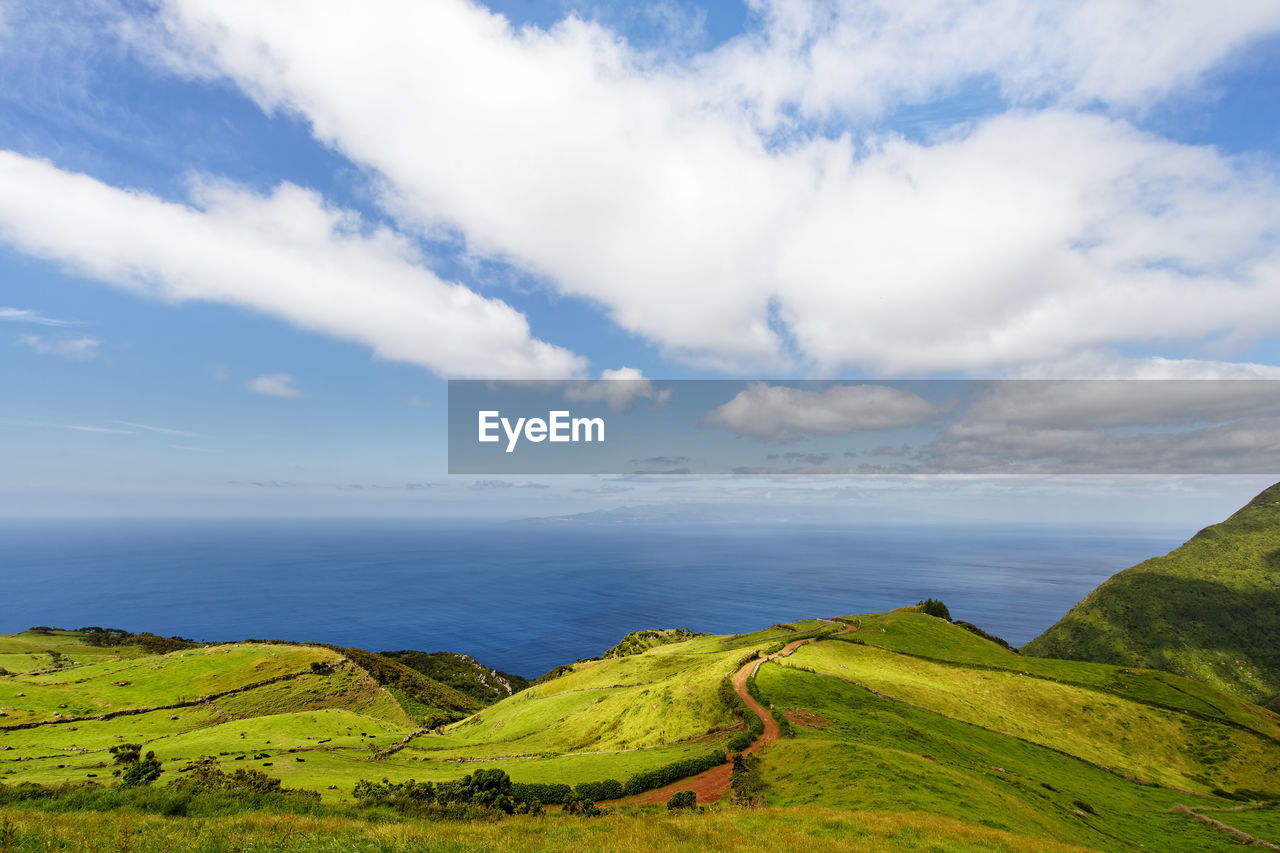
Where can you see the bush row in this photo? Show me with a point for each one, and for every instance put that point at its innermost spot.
(489, 789)
(647, 780)
(755, 726)
(784, 725)
(559, 793)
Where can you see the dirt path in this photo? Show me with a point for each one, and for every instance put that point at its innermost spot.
(711, 785)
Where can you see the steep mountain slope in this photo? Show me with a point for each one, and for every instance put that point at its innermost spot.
(1209, 610)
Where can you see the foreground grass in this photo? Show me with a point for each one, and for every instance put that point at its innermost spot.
(1209, 610)
(874, 754)
(761, 830)
(1172, 748)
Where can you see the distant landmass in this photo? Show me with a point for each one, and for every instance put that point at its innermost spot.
(1209, 610)
(737, 513)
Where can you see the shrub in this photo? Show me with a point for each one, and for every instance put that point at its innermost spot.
(142, 772)
(974, 629)
(682, 800)
(609, 789)
(126, 753)
(934, 607)
(545, 793)
(747, 785)
(586, 808)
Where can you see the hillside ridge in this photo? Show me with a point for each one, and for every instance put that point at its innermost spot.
(1208, 610)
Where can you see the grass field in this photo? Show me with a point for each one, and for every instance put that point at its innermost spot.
(759, 831)
(910, 733)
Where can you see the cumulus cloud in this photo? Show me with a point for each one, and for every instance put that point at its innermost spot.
(274, 385)
(286, 254)
(782, 413)
(699, 202)
(862, 58)
(619, 388)
(82, 348)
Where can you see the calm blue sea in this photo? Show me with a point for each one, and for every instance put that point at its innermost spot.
(525, 597)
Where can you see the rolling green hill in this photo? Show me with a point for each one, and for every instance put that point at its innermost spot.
(905, 730)
(1209, 610)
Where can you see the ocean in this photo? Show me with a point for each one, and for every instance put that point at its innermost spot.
(525, 597)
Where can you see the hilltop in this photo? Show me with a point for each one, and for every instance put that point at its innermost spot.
(463, 673)
(1209, 610)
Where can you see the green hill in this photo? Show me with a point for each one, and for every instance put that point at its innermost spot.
(639, 641)
(1209, 610)
(906, 731)
(463, 673)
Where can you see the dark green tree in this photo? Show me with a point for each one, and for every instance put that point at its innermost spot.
(142, 772)
(935, 608)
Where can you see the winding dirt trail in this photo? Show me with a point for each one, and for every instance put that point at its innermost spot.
(711, 785)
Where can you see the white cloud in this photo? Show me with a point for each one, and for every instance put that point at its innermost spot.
(1237, 447)
(619, 388)
(1100, 365)
(84, 428)
(23, 315)
(164, 430)
(1071, 404)
(81, 348)
(863, 58)
(274, 385)
(286, 254)
(782, 413)
(660, 192)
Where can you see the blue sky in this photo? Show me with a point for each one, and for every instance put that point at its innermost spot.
(244, 245)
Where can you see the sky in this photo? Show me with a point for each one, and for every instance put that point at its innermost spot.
(245, 245)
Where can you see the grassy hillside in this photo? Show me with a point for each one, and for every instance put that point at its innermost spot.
(907, 731)
(463, 673)
(638, 641)
(1209, 610)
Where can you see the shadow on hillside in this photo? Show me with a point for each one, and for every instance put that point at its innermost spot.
(1171, 623)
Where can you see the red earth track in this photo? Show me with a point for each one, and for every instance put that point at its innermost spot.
(711, 785)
